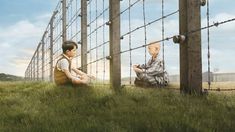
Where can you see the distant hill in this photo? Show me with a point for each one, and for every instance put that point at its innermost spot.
(7, 77)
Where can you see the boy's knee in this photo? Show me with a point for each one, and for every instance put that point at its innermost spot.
(140, 82)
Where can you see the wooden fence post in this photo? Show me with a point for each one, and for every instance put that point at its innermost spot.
(84, 35)
(51, 50)
(43, 57)
(114, 31)
(64, 23)
(190, 49)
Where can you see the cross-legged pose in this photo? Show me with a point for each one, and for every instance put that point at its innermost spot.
(152, 73)
(63, 69)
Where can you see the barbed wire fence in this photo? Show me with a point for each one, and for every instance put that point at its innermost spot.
(105, 42)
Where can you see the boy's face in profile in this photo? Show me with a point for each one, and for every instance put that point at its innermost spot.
(71, 53)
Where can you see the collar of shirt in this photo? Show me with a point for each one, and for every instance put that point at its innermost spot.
(67, 57)
(153, 59)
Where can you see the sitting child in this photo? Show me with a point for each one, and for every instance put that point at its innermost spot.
(63, 67)
(152, 73)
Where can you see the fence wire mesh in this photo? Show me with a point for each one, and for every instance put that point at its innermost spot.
(142, 22)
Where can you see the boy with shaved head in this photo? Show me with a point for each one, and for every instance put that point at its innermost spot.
(151, 74)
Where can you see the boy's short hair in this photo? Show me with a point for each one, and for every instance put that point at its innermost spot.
(155, 45)
(69, 45)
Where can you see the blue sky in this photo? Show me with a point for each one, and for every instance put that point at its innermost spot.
(22, 25)
(16, 10)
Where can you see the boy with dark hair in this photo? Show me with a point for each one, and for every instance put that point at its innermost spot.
(63, 68)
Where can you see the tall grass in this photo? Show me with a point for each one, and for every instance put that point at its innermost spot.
(44, 107)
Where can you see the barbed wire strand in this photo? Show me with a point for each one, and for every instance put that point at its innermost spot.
(98, 16)
(129, 17)
(150, 23)
(76, 29)
(90, 36)
(96, 38)
(208, 44)
(145, 34)
(104, 63)
(219, 89)
(215, 24)
(163, 43)
(119, 14)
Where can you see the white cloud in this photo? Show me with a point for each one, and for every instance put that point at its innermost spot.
(44, 17)
(18, 43)
(22, 29)
(28, 51)
(4, 45)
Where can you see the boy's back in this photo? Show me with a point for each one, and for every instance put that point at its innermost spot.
(60, 77)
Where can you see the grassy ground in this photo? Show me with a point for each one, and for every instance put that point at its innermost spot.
(214, 85)
(43, 107)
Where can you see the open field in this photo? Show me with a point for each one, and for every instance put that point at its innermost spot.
(215, 86)
(37, 106)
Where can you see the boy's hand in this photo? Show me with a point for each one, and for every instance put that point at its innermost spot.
(85, 78)
(92, 77)
(89, 76)
(138, 70)
(136, 66)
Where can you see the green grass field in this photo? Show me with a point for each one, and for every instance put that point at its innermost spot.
(43, 107)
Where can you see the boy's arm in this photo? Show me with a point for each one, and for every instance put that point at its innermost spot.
(82, 73)
(68, 74)
(137, 69)
(73, 79)
(78, 72)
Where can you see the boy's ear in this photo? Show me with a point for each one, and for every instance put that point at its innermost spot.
(66, 51)
(157, 50)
